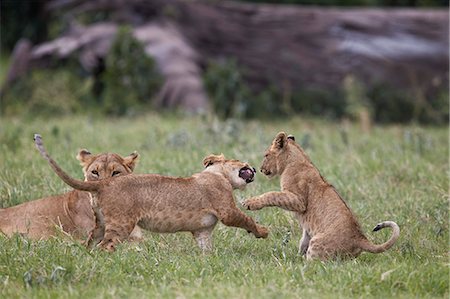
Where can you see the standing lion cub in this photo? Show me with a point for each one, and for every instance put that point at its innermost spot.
(329, 227)
(168, 204)
(71, 211)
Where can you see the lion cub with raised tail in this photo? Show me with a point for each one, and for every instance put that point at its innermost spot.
(330, 229)
(167, 204)
(71, 211)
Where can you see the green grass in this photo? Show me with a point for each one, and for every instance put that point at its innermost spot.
(397, 173)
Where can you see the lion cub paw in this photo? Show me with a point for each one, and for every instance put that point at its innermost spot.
(262, 232)
(252, 204)
(108, 245)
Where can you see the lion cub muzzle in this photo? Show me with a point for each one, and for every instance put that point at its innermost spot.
(265, 171)
(247, 174)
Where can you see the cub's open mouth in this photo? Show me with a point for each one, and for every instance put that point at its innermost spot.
(247, 174)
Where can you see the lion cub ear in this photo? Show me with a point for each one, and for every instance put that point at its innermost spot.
(131, 160)
(280, 140)
(84, 156)
(211, 159)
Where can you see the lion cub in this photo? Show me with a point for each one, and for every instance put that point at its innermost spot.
(71, 211)
(167, 204)
(329, 227)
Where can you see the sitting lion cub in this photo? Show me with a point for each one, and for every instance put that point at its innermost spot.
(329, 227)
(72, 211)
(167, 204)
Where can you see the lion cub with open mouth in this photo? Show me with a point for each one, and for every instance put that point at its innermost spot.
(167, 204)
(329, 227)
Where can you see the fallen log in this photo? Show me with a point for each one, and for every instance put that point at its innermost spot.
(292, 47)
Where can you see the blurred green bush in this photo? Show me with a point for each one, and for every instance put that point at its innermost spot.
(231, 97)
(226, 88)
(393, 105)
(130, 79)
(46, 93)
(320, 102)
(126, 87)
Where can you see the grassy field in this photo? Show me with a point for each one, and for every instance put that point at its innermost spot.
(395, 173)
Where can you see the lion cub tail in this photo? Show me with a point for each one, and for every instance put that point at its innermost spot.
(74, 183)
(368, 246)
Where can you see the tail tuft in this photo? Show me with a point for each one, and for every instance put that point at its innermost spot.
(378, 227)
(368, 246)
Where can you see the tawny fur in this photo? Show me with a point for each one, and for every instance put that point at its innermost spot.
(330, 229)
(168, 204)
(71, 212)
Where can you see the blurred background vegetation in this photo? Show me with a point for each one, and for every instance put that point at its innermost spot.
(129, 80)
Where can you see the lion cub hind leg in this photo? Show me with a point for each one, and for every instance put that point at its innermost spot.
(304, 243)
(204, 240)
(319, 248)
(136, 235)
(325, 247)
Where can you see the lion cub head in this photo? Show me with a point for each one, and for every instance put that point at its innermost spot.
(102, 166)
(282, 150)
(238, 173)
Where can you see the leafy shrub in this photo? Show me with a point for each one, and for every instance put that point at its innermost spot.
(127, 85)
(327, 103)
(130, 79)
(45, 92)
(390, 105)
(227, 91)
(269, 103)
(440, 104)
(232, 98)
(393, 105)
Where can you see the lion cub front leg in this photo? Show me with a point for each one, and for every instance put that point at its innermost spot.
(117, 229)
(97, 234)
(236, 218)
(285, 200)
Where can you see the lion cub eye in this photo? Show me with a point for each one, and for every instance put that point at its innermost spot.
(115, 172)
(94, 172)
